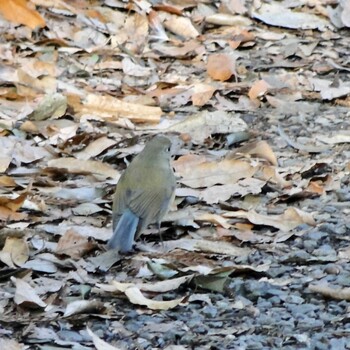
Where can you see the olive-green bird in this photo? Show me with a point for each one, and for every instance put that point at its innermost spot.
(143, 194)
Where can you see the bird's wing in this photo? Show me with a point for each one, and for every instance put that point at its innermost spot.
(150, 206)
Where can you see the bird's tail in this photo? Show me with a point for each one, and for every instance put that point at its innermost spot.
(124, 233)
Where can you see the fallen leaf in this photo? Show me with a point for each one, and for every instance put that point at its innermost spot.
(17, 11)
(258, 89)
(181, 26)
(221, 66)
(95, 148)
(202, 93)
(197, 172)
(204, 124)
(136, 297)
(111, 109)
(25, 295)
(74, 245)
(331, 292)
(15, 252)
(83, 307)
(277, 15)
(77, 166)
(99, 343)
(287, 221)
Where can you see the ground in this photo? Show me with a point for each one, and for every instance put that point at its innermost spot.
(255, 99)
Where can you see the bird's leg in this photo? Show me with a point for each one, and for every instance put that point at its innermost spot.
(160, 236)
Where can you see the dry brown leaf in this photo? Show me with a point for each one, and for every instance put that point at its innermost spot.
(136, 28)
(30, 86)
(15, 252)
(25, 295)
(202, 93)
(6, 181)
(8, 215)
(225, 248)
(330, 292)
(77, 166)
(111, 109)
(271, 174)
(181, 26)
(287, 221)
(197, 172)
(259, 148)
(315, 187)
(258, 89)
(203, 124)
(157, 26)
(180, 51)
(74, 245)
(13, 203)
(221, 66)
(95, 148)
(215, 247)
(215, 194)
(17, 11)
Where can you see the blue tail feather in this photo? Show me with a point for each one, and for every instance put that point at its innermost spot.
(124, 233)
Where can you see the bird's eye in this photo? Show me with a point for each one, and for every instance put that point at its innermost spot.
(168, 149)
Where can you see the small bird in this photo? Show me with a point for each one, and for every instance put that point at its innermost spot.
(143, 194)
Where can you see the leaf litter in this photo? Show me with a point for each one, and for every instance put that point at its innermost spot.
(258, 115)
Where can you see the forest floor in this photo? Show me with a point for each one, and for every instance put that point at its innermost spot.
(255, 98)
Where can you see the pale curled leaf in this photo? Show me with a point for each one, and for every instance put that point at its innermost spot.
(330, 292)
(99, 343)
(225, 19)
(332, 140)
(181, 26)
(136, 297)
(157, 287)
(212, 218)
(83, 306)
